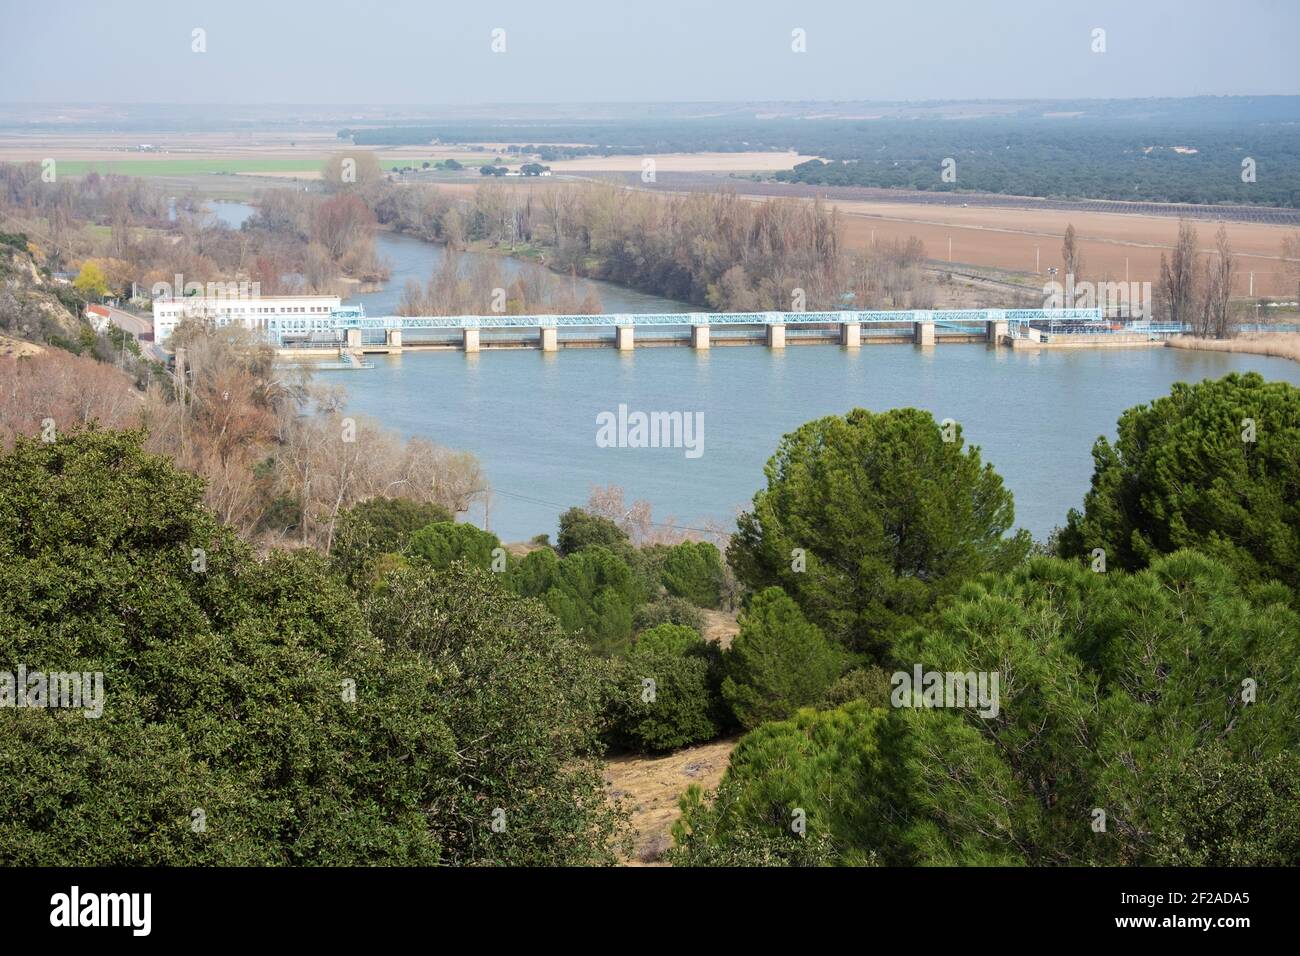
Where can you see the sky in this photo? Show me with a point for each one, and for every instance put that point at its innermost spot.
(582, 51)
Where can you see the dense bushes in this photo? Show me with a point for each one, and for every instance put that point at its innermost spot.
(665, 698)
(666, 692)
(439, 544)
(819, 771)
(1211, 466)
(521, 704)
(1164, 700)
(252, 715)
(1217, 811)
(668, 610)
(672, 638)
(593, 593)
(693, 570)
(580, 529)
(378, 526)
(305, 722)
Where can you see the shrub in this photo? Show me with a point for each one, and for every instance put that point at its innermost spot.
(1213, 810)
(668, 610)
(581, 529)
(378, 526)
(870, 684)
(678, 709)
(522, 703)
(439, 544)
(672, 638)
(820, 767)
(778, 662)
(693, 570)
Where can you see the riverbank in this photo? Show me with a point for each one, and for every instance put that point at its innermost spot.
(1275, 344)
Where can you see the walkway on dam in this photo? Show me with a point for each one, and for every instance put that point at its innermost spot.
(356, 331)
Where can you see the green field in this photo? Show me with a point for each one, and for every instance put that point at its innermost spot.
(157, 168)
(188, 167)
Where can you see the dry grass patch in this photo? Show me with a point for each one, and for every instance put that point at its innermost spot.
(652, 786)
(721, 626)
(17, 348)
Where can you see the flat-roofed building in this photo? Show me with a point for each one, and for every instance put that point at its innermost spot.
(274, 317)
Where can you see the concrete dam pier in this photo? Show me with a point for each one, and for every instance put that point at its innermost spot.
(357, 333)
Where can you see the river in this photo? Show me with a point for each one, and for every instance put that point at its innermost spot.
(531, 417)
(411, 258)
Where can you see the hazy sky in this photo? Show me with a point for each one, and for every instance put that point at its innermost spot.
(427, 51)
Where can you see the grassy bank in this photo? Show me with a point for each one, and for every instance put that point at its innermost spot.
(1277, 344)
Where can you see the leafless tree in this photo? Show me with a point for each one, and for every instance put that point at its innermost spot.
(1291, 258)
(1071, 255)
(1178, 281)
(1215, 301)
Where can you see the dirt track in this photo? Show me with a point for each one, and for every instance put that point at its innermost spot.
(652, 786)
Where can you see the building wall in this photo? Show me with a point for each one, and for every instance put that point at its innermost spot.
(273, 316)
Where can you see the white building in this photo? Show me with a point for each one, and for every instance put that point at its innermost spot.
(98, 317)
(273, 316)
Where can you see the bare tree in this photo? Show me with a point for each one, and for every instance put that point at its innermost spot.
(1071, 255)
(1291, 258)
(1219, 273)
(1178, 282)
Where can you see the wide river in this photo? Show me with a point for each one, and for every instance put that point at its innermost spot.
(531, 417)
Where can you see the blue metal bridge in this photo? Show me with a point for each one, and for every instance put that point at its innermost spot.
(351, 327)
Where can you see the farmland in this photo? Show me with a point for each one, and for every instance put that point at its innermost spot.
(1002, 232)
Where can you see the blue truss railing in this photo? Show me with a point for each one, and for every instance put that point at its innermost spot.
(948, 317)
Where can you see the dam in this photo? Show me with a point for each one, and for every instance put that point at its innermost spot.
(350, 329)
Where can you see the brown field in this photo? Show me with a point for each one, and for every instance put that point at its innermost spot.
(652, 786)
(685, 163)
(1005, 239)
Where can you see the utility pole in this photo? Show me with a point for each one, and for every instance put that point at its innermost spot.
(950, 250)
(1037, 260)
